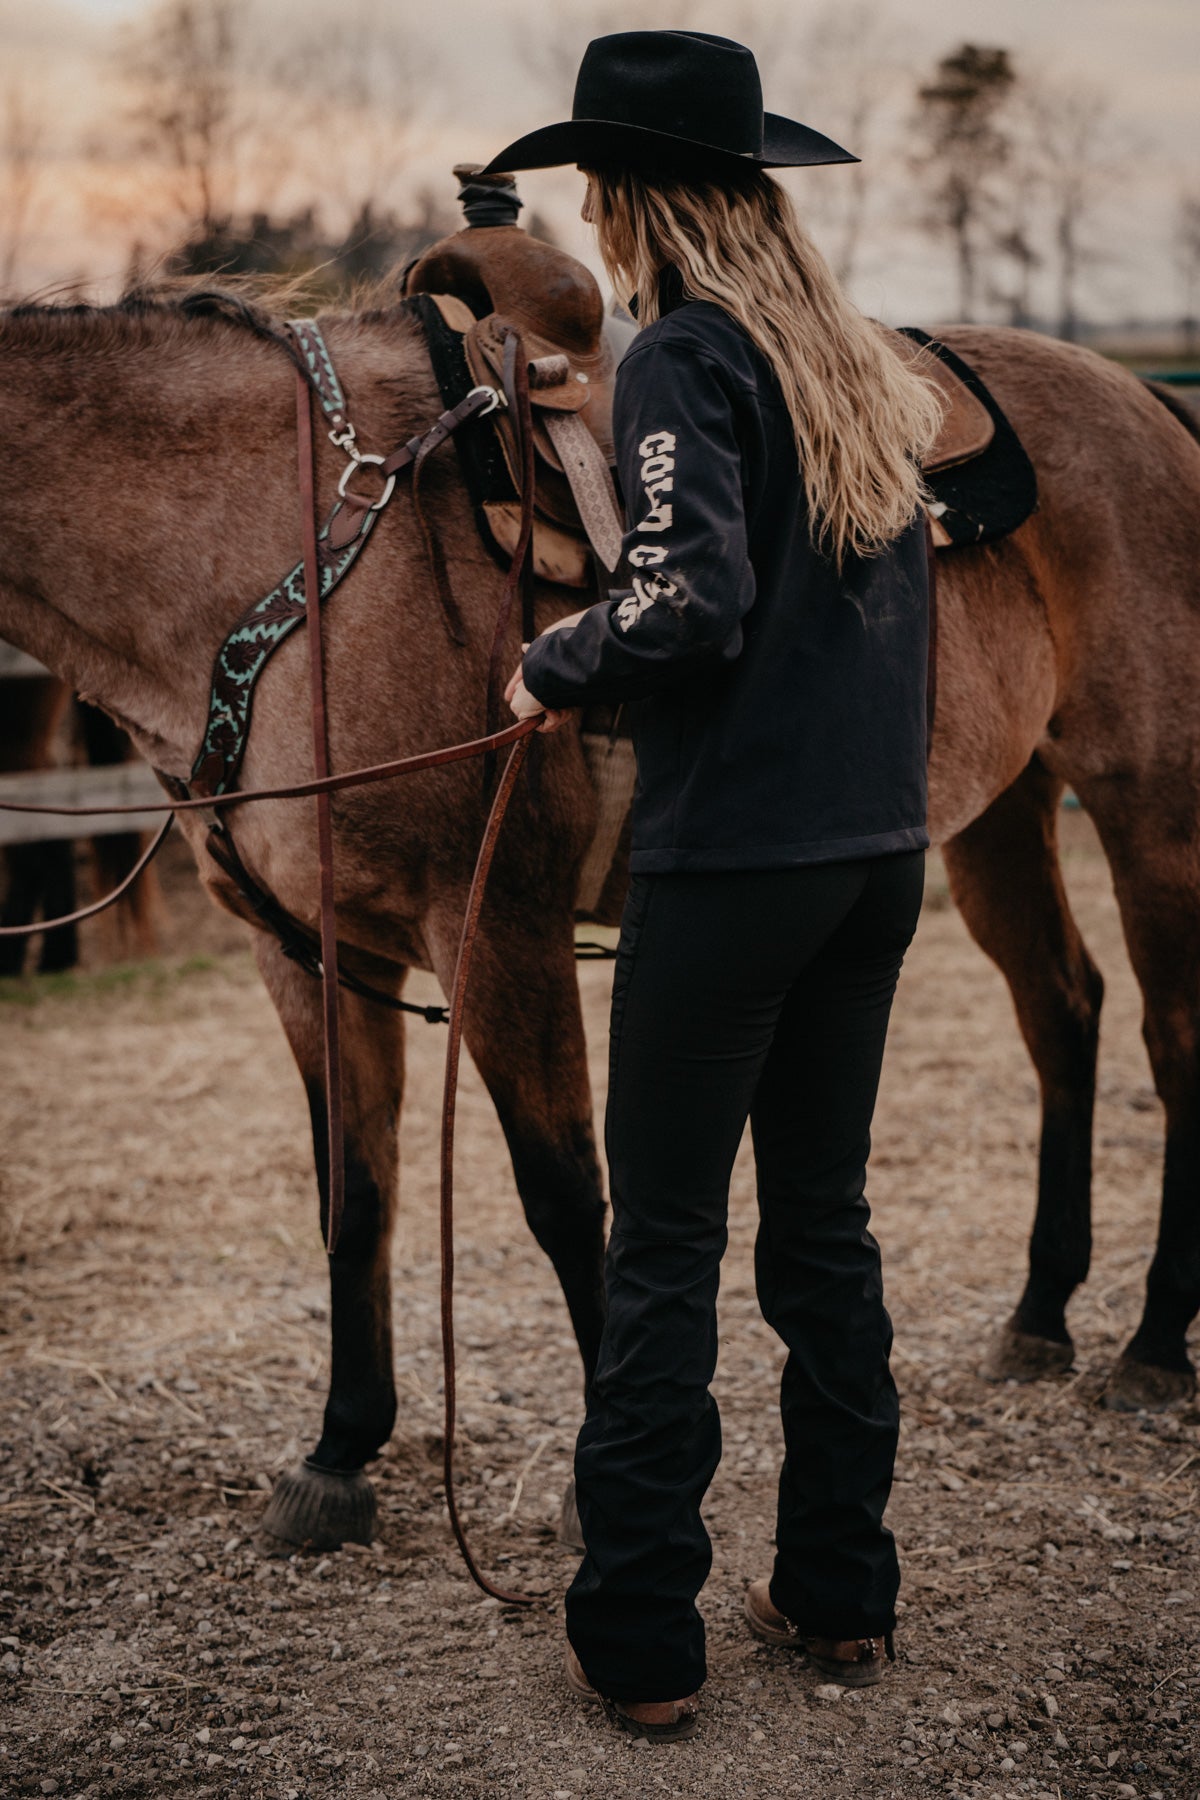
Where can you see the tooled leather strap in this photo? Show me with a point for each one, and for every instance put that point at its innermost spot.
(264, 625)
(335, 1127)
(322, 376)
(466, 948)
(591, 484)
(296, 790)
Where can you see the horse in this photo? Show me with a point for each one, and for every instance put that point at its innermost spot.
(37, 715)
(150, 497)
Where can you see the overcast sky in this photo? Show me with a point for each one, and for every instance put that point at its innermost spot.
(1148, 49)
(480, 89)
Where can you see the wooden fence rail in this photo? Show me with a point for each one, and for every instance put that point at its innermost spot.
(17, 662)
(120, 784)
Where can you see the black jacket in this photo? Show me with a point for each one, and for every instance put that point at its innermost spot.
(778, 711)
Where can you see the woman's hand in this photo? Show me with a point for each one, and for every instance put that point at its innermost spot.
(527, 706)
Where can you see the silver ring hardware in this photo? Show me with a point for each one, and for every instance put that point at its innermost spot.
(365, 456)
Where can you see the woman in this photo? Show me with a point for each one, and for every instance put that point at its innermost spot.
(773, 646)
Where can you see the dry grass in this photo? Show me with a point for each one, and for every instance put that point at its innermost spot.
(163, 1356)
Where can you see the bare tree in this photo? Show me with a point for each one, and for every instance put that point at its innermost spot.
(182, 62)
(21, 136)
(1187, 261)
(848, 66)
(1017, 230)
(1081, 159)
(963, 141)
(363, 89)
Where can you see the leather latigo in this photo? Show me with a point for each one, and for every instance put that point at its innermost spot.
(488, 283)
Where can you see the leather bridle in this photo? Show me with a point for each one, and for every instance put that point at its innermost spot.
(346, 528)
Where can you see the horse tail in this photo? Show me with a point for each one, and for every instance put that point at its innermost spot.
(1179, 409)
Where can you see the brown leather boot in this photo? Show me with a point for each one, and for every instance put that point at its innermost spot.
(851, 1662)
(660, 1721)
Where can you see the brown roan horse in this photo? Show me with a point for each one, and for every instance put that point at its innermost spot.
(147, 496)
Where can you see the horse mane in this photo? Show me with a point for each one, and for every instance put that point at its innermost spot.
(257, 304)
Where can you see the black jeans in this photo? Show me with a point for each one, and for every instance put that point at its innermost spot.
(760, 994)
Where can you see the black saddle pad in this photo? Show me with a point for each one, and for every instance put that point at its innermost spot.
(979, 501)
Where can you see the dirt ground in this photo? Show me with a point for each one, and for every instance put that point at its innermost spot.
(163, 1352)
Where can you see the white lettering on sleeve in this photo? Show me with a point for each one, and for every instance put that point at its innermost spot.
(645, 593)
(657, 480)
(631, 610)
(655, 467)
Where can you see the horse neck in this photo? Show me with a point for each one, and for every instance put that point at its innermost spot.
(149, 496)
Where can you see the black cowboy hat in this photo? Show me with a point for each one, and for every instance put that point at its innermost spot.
(681, 98)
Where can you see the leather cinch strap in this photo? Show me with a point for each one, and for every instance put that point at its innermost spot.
(520, 573)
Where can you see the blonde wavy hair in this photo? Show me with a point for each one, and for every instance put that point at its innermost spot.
(862, 418)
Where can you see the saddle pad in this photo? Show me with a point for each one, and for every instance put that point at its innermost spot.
(967, 426)
(979, 500)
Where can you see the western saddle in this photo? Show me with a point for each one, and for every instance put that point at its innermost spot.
(492, 278)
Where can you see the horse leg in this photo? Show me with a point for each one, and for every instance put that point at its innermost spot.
(22, 892)
(1149, 834)
(328, 1500)
(524, 1029)
(41, 876)
(1005, 879)
(135, 918)
(60, 947)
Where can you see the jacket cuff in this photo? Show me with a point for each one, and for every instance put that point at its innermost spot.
(542, 681)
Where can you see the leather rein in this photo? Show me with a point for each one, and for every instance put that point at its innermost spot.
(329, 551)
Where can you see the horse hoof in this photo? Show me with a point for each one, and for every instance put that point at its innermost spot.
(1133, 1386)
(1018, 1356)
(570, 1532)
(321, 1509)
